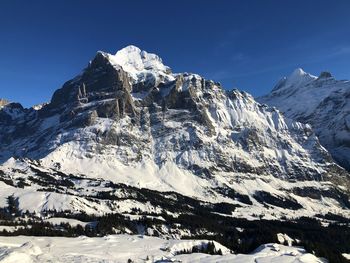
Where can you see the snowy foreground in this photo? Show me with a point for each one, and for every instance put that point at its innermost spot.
(121, 248)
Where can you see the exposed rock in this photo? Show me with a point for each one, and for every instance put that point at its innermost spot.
(322, 102)
(325, 75)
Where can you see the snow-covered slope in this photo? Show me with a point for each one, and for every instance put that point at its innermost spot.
(121, 248)
(127, 119)
(323, 102)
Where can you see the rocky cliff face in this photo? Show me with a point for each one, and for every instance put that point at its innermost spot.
(323, 102)
(128, 119)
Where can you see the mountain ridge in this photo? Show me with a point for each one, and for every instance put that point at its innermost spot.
(323, 102)
(173, 155)
(172, 132)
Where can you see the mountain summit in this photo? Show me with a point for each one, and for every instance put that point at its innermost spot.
(297, 78)
(324, 103)
(127, 119)
(140, 65)
(132, 59)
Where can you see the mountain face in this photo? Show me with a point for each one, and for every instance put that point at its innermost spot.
(323, 102)
(127, 123)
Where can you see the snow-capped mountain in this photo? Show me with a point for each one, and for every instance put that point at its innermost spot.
(127, 119)
(323, 102)
(128, 146)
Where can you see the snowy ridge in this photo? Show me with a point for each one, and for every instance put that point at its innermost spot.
(323, 102)
(296, 78)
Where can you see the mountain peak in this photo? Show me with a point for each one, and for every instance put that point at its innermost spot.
(130, 48)
(140, 64)
(132, 58)
(135, 61)
(298, 72)
(295, 79)
(299, 76)
(320, 101)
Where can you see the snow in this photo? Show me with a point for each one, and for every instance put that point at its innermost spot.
(40, 106)
(133, 60)
(50, 122)
(141, 65)
(120, 248)
(282, 238)
(24, 253)
(9, 228)
(170, 178)
(72, 222)
(299, 76)
(322, 102)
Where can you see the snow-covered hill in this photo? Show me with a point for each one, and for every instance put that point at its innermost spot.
(323, 102)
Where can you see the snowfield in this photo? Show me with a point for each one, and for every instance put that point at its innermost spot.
(121, 248)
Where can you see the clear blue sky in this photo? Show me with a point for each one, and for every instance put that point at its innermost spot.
(246, 44)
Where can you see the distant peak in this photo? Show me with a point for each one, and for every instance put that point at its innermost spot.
(297, 73)
(296, 78)
(325, 75)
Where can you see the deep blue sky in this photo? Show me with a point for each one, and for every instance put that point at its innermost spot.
(246, 44)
